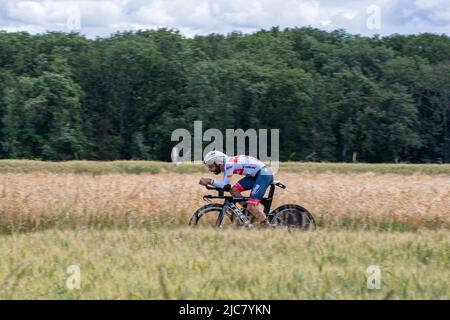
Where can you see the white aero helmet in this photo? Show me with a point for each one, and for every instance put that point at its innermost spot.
(216, 157)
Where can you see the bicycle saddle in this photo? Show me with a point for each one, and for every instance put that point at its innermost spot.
(279, 184)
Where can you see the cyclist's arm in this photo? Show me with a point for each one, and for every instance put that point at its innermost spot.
(227, 175)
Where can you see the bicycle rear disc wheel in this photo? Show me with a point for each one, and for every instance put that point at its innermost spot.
(293, 216)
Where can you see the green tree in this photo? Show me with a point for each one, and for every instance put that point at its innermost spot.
(43, 119)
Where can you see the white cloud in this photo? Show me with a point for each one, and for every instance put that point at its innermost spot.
(221, 16)
(442, 15)
(427, 4)
(155, 13)
(251, 14)
(100, 13)
(32, 12)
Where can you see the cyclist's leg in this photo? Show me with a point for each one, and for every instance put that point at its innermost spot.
(262, 182)
(245, 183)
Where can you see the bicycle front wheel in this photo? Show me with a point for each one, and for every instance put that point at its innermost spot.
(208, 215)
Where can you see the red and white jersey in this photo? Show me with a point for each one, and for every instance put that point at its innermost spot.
(242, 165)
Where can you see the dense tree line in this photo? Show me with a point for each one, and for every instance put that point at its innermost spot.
(334, 96)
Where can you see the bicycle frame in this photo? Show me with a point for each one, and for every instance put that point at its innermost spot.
(230, 203)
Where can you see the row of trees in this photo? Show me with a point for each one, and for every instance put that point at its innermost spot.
(333, 95)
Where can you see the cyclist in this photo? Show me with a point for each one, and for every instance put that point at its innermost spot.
(257, 177)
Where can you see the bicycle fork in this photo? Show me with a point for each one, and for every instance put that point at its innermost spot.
(236, 212)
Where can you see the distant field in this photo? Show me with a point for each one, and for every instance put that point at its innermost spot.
(181, 263)
(137, 167)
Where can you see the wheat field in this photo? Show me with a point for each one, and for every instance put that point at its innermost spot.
(38, 201)
(128, 235)
(182, 263)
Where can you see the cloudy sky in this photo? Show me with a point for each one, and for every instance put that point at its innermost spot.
(191, 17)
